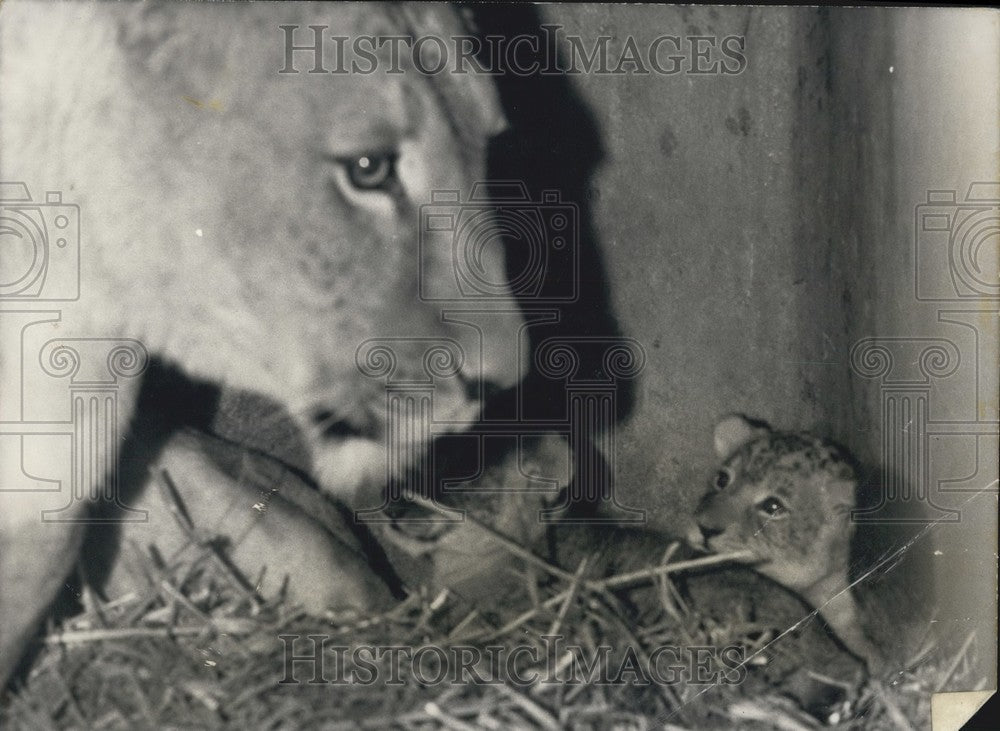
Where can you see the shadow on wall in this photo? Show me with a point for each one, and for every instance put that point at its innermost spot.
(553, 146)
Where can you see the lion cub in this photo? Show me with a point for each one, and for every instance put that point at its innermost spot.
(787, 498)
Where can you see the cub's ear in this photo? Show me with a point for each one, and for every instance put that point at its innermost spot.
(734, 431)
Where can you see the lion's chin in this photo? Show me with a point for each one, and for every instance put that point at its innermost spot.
(350, 459)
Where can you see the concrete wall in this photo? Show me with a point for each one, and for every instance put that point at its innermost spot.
(921, 103)
(712, 215)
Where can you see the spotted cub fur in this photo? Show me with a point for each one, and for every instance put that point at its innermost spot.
(786, 500)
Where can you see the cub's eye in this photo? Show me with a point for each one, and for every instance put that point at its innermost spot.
(374, 171)
(772, 507)
(722, 479)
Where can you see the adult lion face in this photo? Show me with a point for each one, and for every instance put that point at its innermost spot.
(258, 228)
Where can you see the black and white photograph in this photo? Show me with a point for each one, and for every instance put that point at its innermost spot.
(478, 366)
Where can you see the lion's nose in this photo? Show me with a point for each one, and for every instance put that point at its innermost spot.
(504, 364)
(495, 350)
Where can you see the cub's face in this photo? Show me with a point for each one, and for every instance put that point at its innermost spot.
(257, 227)
(784, 497)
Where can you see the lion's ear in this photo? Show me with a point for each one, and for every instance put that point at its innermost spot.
(474, 98)
(734, 431)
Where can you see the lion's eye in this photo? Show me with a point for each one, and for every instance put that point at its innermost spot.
(722, 479)
(374, 171)
(772, 507)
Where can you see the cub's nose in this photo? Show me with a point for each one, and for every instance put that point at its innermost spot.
(700, 535)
